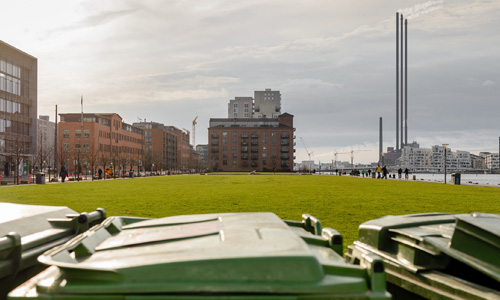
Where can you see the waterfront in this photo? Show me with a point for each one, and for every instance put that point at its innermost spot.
(490, 179)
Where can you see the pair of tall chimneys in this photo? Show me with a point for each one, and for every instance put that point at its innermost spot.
(403, 102)
(401, 114)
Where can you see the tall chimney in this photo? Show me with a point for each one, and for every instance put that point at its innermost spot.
(402, 99)
(406, 81)
(380, 145)
(397, 81)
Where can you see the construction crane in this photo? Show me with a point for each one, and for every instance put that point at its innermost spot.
(308, 153)
(352, 156)
(194, 131)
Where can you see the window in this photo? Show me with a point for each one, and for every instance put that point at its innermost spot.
(235, 155)
(86, 133)
(65, 133)
(235, 134)
(224, 162)
(235, 162)
(65, 147)
(273, 133)
(78, 133)
(235, 148)
(224, 133)
(86, 148)
(264, 148)
(264, 155)
(78, 148)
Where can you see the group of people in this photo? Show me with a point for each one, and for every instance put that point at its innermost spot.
(381, 172)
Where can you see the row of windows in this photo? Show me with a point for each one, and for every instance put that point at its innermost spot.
(244, 134)
(11, 146)
(102, 134)
(12, 85)
(9, 126)
(10, 69)
(13, 107)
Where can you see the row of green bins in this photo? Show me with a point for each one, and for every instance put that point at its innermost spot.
(212, 256)
(435, 256)
(27, 231)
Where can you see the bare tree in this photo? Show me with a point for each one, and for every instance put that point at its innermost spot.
(104, 159)
(93, 156)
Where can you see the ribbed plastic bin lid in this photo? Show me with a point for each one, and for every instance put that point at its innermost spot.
(255, 254)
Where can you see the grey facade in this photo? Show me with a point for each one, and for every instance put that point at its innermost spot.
(267, 104)
(45, 145)
(18, 108)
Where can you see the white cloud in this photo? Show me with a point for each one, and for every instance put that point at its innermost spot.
(488, 83)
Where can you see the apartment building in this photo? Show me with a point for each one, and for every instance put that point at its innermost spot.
(491, 161)
(432, 159)
(160, 146)
(18, 109)
(264, 144)
(267, 104)
(240, 107)
(99, 141)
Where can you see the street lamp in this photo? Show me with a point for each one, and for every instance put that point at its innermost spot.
(445, 146)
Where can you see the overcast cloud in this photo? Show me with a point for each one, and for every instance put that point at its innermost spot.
(333, 61)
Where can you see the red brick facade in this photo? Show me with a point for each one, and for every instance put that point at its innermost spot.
(105, 142)
(251, 144)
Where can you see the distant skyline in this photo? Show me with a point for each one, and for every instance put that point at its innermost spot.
(333, 61)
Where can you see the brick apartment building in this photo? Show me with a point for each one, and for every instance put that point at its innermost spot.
(105, 142)
(161, 144)
(264, 144)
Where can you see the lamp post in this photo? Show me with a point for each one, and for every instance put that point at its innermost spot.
(445, 146)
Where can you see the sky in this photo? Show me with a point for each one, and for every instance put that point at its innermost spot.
(333, 62)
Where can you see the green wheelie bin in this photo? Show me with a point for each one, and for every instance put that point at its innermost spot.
(435, 255)
(26, 231)
(212, 256)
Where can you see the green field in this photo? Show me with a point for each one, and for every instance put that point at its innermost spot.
(339, 202)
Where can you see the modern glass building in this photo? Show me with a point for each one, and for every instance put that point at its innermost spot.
(18, 109)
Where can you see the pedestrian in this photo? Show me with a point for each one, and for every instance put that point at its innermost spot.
(99, 172)
(336, 171)
(369, 172)
(406, 173)
(384, 172)
(363, 173)
(378, 171)
(399, 173)
(63, 173)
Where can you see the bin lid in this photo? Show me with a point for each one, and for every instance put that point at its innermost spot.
(250, 253)
(429, 241)
(28, 219)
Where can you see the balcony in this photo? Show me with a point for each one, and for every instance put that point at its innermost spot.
(244, 143)
(254, 164)
(285, 142)
(255, 157)
(285, 156)
(284, 135)
(284, 149)
(244, 157)
(255, 149)
(244, 149)
(215, 135)
(215, 149)
(215, 142)
(255, 135)
(255, 142)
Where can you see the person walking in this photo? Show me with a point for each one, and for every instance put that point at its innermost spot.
(399, 173)
(384, 172)
(99, 172)
(406, 173)
(378, 171)
(63, 173)
(369, 172)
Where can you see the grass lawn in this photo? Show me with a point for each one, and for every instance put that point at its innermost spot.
(338, 202)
